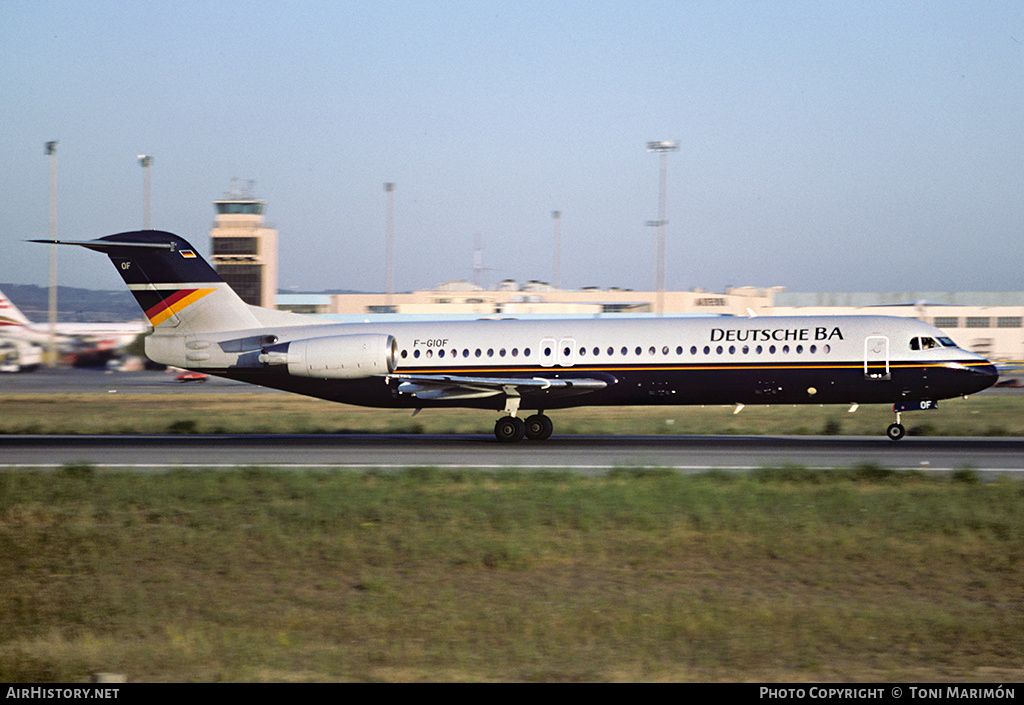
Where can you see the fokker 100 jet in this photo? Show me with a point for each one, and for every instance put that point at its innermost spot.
(511, 366)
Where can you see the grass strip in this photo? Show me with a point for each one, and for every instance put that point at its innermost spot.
(780, 574)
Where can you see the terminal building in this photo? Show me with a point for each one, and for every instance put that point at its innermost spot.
(989, 323)
(510, 299)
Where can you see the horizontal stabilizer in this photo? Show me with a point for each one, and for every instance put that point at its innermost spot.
(109, 245)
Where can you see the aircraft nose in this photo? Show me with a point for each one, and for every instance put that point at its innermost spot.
(992, 372)
(987, 374)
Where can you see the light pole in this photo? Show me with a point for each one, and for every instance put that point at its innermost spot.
(389, 275)
(146, 161)
(51, 343)
(663, 148)
(557, 215)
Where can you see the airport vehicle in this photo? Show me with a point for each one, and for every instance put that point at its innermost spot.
(510, 366)
(186, 377)
(17, 355)
(82, 338)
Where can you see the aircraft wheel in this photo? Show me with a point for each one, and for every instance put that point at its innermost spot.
(895, 431)
(539, 427)
(509, 429)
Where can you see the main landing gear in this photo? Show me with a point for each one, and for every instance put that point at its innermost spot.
(510, 429)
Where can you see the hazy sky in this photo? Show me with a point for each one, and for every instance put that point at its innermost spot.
(834, 146)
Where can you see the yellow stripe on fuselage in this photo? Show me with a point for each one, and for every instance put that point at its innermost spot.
(654, 367)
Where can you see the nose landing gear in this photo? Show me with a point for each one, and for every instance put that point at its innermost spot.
(896, 431)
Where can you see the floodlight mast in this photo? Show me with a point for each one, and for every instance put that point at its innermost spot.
(557, 279)
(51, 340)
(146, 161)
(389, 249)
(662, 147)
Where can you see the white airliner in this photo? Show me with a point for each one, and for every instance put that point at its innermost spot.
(15, 324)
(510, 366)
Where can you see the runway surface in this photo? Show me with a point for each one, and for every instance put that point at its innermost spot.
(579, 453)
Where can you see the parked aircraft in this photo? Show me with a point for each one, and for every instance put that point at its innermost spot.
(104, 336)
(510, 366)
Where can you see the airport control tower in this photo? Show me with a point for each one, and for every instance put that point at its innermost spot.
(244, 249)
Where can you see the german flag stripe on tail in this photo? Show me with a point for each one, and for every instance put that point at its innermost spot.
(174, 303)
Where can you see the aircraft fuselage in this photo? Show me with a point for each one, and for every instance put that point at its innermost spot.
(705, 360)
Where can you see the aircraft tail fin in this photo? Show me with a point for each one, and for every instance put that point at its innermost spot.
(172, 283)
(11, 315)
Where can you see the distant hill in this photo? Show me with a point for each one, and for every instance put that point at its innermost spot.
(74, 305)
(86, 305)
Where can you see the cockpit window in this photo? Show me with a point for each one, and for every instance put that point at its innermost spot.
(926, 343)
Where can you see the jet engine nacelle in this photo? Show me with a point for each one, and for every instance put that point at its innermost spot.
(335, 357)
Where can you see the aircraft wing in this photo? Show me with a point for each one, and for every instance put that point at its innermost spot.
(445, 387)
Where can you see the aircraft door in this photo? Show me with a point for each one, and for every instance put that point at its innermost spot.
(876, 357)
